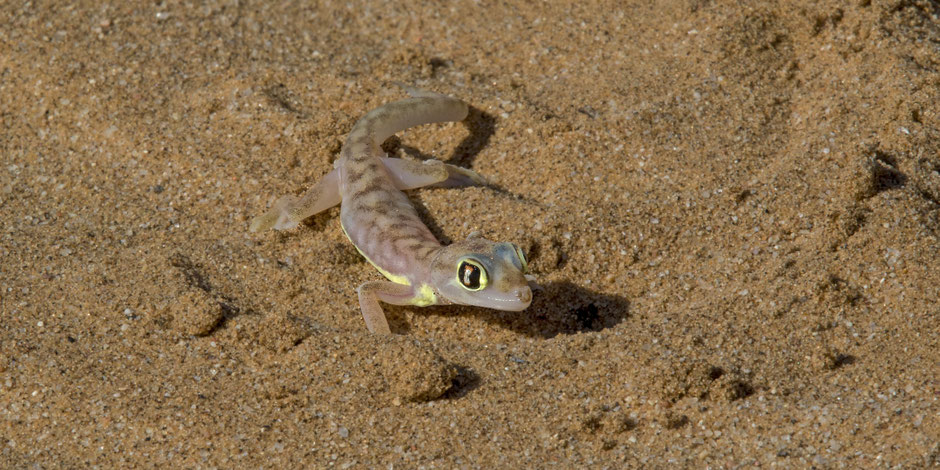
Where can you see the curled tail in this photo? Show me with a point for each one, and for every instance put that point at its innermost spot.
(424, 107)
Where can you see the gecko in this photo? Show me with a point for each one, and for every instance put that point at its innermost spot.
(381, 223)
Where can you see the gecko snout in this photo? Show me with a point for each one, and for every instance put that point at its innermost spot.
(524, 295)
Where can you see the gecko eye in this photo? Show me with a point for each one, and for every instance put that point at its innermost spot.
(521, 256)
(471, 275)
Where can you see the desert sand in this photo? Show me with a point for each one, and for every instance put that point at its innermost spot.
(732, 209)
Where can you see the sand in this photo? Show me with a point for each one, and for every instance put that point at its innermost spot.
(733, 211)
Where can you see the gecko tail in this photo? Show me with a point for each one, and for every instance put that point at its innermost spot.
(278, 217)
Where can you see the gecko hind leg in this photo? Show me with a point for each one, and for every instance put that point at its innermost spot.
(288, 211)
(409, 174)
(370, 293)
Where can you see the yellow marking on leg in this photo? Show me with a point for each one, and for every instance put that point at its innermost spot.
(425, 296)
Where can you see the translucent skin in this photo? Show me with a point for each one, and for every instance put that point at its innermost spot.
(380, 221)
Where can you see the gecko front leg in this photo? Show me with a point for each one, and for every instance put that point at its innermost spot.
(370, 293)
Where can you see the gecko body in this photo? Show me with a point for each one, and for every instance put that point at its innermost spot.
(380, 221)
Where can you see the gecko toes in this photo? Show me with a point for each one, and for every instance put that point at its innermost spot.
(260, 223)
(278, 217)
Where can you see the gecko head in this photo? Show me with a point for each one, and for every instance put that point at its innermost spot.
(482, 273)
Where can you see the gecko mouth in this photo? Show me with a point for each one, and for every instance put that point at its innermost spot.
(512, 301)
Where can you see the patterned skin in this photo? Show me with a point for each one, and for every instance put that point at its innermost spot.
(380, 221)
